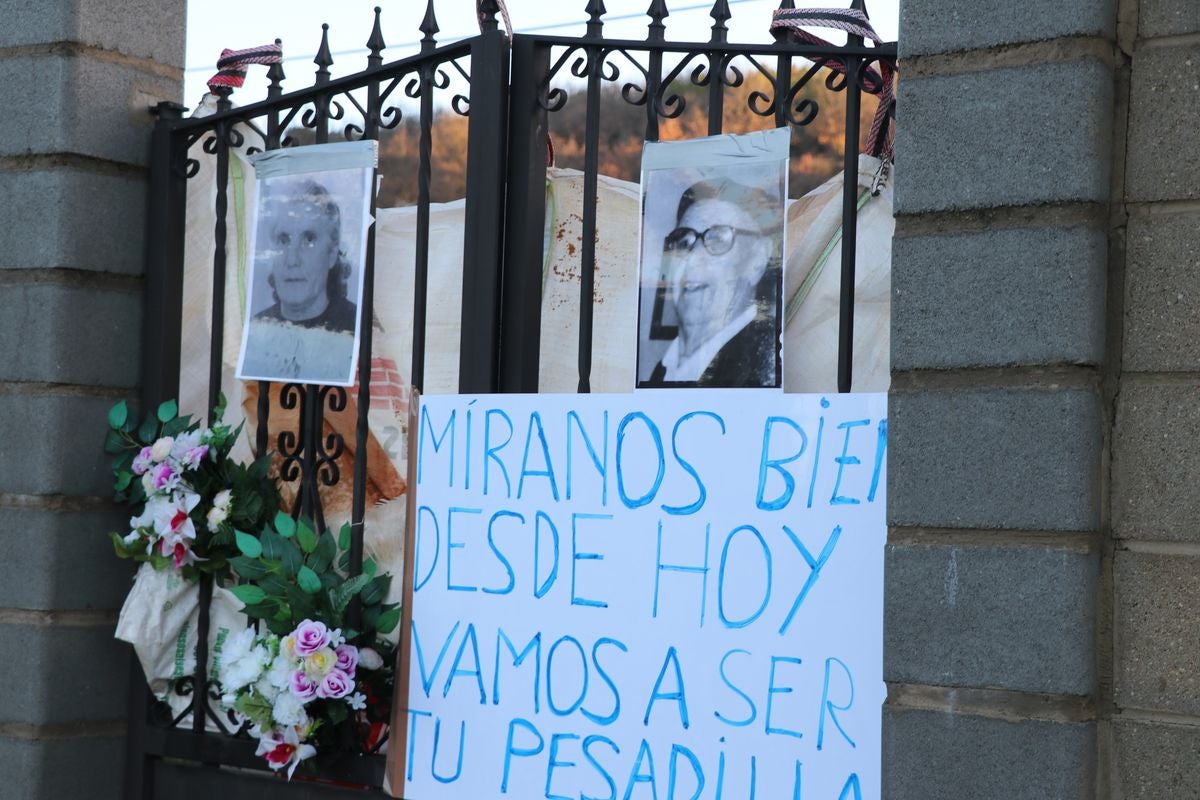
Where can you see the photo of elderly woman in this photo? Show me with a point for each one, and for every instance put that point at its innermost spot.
(711, 262)
(309, 238)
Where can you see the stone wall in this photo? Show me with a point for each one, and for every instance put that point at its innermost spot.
(1043, 584)
(1155, 499)
(76, 80)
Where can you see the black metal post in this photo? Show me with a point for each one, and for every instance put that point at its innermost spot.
(484, 224)
(521, 319)
(849, 219)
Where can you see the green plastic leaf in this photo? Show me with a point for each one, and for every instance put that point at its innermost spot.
(249, 568)
(285, 525)
(346, 592)
(149, 430)
(248, 545)
(370, 567)
(113, 443)
(306, 538)
(117, 415)
(123, 479)
(388, 621)
(308, 580)
(374, 592)
(249, 594)
(167, 411)
(344, 537)
(323, 555)
(337, 712)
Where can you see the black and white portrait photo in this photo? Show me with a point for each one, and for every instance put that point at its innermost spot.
(712, 261)
(311, 219)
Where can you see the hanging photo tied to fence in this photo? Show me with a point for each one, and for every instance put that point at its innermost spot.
(670, 595)
(308, 240)
(712, 231)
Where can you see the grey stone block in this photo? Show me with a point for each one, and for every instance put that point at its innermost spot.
(69, 334)
(53, 444)
(83, 105)
(59, 223)
(1025, 459)
(946, 26)
(1004, 137)
(931, 755)
(1157, 632)
(1162, 293)
(61, 560)
(1156, 761)
(996, 298)
(1168, 17)
(1155, 459)
(1164, 114)
(150, 29)
(85, 767)
(990, 617)
(67, 675)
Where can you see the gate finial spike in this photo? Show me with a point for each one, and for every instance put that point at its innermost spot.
(429, 27)
(595, 10)
(720, 14)
(787, 5)
(375, 43)
(488, 9)
(275, 76)
(859, 5)
(657, 13)
(324, 58)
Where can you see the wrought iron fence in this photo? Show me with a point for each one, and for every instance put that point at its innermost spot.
(509, 90)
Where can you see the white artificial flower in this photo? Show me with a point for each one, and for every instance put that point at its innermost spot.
(245, 665)
(357, 701)
(369, 659)
(161, 449)
(216, 515)
(289, 710)
(222, 499)
(280, 673)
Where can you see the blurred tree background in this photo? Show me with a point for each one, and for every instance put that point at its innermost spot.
(816, 153)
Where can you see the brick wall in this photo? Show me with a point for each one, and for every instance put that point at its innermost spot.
(1155, 498)
(1043, 585)
(76, 78)
(1000, 400)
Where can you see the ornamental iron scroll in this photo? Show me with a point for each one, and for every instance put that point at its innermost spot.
(507, 93)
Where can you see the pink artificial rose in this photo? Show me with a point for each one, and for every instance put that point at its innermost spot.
(192, 457)
(310, 637)
(347, 658)
(143, 461)
(302, 686)
(335, 685)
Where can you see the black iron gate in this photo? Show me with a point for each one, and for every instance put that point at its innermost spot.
(513, 87)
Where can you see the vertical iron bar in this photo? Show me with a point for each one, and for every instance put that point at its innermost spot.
(484, 221)
(223, 134)
(163, 299)
(262, 428)
(657, 33)
(524, 240)
(716, 67)
(783, 75)
(161, 336)
(313, 407)
(366, 308)
(591, 168)
(849, 224)
(429, 28)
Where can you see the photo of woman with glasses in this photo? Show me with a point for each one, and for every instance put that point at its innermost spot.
(711, 282)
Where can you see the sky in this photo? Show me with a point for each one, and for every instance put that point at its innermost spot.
(216, 24)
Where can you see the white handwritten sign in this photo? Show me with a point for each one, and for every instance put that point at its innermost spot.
(665, 596)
